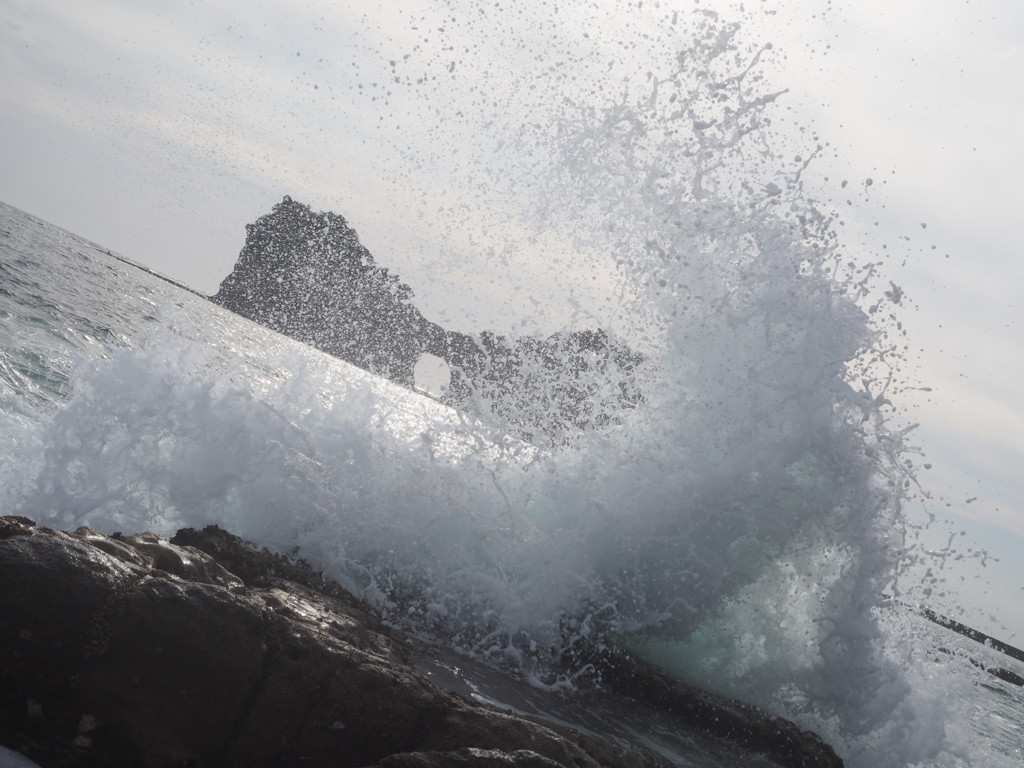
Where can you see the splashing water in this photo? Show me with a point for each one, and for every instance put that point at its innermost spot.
(755, 502)
(739, 527)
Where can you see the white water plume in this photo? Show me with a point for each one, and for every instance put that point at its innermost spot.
(739, 526)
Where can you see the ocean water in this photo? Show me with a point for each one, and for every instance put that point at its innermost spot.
(740, 528)
(129, 403)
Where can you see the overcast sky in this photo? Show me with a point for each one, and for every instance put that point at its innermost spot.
(159, 129)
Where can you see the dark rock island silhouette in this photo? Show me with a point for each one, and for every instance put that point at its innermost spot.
(306, 275)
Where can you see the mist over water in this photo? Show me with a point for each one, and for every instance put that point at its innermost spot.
(739, 527)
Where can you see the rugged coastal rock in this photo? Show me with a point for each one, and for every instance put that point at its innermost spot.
(306, 275)
(202, 651)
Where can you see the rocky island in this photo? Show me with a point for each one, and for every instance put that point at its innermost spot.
(305, 274)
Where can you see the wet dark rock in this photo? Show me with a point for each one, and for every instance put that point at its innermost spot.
(136, 651)
(15, 525)
(204, 651)
(1006, 675)
(469, 757)
(739, 723)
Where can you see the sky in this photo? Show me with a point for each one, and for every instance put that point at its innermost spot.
(160, 128)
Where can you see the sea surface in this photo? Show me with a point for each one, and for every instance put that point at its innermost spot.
(727, 552)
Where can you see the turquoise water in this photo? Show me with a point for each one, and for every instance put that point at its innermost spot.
(128, 403)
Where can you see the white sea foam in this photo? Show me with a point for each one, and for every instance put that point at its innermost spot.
(739, 527)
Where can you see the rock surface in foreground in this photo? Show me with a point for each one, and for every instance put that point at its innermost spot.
(136, 651)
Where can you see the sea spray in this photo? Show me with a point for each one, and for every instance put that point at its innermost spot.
(766, 468)
(739, 526)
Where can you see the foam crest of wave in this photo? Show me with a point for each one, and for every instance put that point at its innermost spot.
(739, 526)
